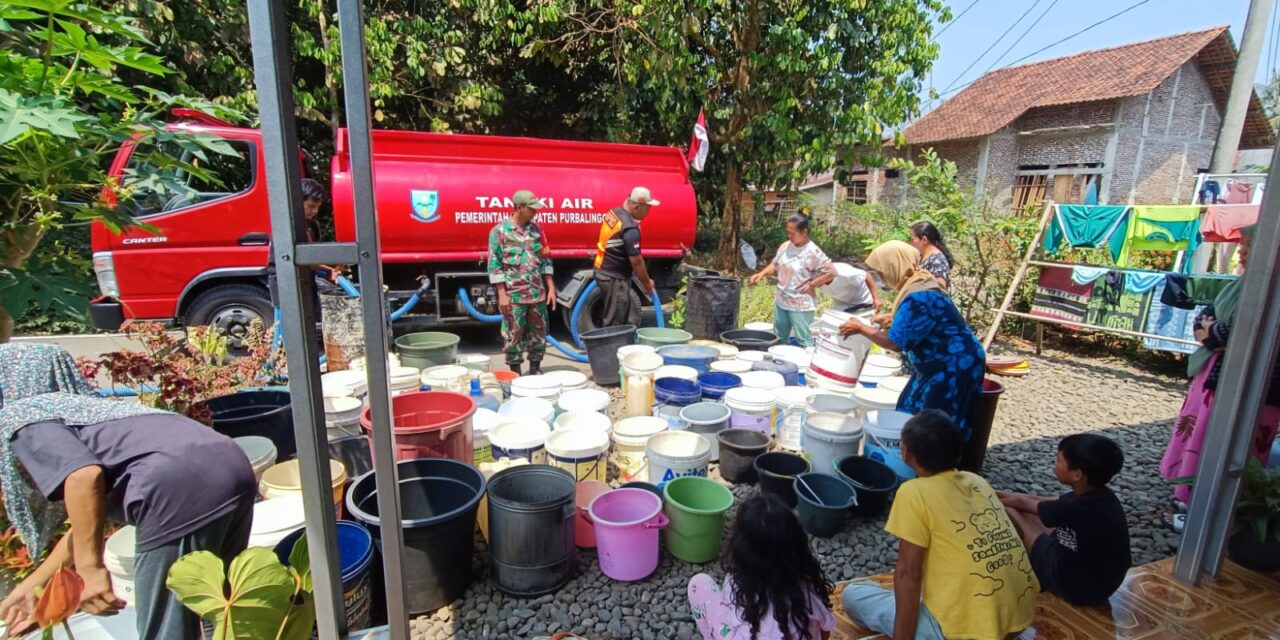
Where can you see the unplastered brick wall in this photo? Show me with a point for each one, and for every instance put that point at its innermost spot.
(1002, 165)
(1059, 149)
(1067, 115)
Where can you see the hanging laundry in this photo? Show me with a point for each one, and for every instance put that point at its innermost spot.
(1058, 298)
(1082, 225)
(1188, 292)
(1087, 275)
(1157, 228)
(1258, 191)
(1222, 222)
(1238, 192)
(1091, 191)
(1170, 322)
(1126, 312)
(1209, 192)
(1140, 282)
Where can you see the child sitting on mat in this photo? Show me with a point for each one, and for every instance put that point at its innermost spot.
(961, 571)
(1078, 541)
(775, 588)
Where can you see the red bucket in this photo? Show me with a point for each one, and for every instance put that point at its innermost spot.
(429, 424)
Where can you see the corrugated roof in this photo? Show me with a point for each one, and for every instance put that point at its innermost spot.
(1000, 97)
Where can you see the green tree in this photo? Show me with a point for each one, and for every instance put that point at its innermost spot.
(64, 112)
(788, 87)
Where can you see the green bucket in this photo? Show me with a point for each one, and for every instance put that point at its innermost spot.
(655, 337)
(427, 349)
(696, 508)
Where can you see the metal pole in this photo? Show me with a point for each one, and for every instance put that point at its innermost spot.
(1255, 34)
(355, 88)
(1241, 393)
(268, 30)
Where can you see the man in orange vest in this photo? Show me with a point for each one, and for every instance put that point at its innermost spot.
(618, 258)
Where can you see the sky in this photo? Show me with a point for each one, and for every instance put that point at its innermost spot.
(965, 39)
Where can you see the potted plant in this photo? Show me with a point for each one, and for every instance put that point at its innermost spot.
(1255, 542)
(257, 596)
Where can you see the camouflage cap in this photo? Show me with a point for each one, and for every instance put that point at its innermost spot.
(526, 198)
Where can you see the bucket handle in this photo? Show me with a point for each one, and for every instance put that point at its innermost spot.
(658, 522)
(570, 510)
(586, 516)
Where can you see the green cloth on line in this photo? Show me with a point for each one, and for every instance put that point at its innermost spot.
(1157, 228)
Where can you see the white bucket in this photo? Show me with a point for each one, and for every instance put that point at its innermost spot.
(795, 355)
(520, 438)
(569, 380)
(884, 360)
(676, 454)
(533, 408)
(676, 371)
(276, 518)
(584, 421)
(260, 451)
(727, 351)
(393, 360)
(628, 349)
(734, 366)
(751, 356)
(832, 403)
(481, 423)
(118, 556)
(874, 399)
(872, 374)
(584, 400)
(793, 406)
(342, 417)
(767, 380)
(344, 383)
(630, 445)
(882, 440)
(754, 409)
(540, 386)
(829, 437)
(638, 364)
(477, 362)
(582, 452)
(448, 377)
(404, 379)
(827, 385)
(759, 326)
(707, 419)
(285, 479)
(894, 384)
(837, 358)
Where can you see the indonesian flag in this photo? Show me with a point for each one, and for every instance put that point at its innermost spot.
(698, 146)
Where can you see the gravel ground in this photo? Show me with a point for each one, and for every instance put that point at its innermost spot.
(1064, 394)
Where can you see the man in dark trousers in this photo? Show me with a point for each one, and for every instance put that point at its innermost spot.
(618, 258)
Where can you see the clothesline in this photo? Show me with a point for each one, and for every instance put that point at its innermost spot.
(1072, 265)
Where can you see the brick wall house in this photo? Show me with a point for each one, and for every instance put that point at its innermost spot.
(1138, 120)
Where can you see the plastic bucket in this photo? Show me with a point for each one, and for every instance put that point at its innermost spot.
(532, 408)
(734, 366)
(797, 356)
(638, 373)
(707, 419)
(727, 351)
(738, 451)
(647, 486)
(584, 535)
(655, 337)
(895, 384)
(627, 522)
(429, 424)
(427, 349)
(872, 481)
(676, 454)
(696, 508)
(342, 417)
(643, 365)
(832, 403)
(358, 364)
(276, 518)
(982, 414)
(348, 382)
(777, 471)
(584, 400)
(758, 379)
(583, 421)
(569, 380)
(670, 395)
(874, 399)
(353, 453)
(789, 371)
(355, 555)
(631, 445)
(404, 380)
(602, 351)
(754, 409)
(483, 421)
(711, 305)
(260, 451)
(749, 339)
(715, 383)
(697, 357)
(793, 406)
(584, 453)
(759, 326)
(258, 412)
(829, 437)
(838, 358)
(478, 363)
(676, 371)
(438, 500)
(520, 438)
(531, 520)
(539, 386)
(882, 440)
(285, 479)
(449, 377)
(118, 556)
(824, 503)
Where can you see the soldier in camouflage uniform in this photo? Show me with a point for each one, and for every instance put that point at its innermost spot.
(520, 268)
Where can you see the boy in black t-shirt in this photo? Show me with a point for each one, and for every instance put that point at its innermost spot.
(1079, 541)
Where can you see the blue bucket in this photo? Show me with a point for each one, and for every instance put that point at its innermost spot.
(696, 356)
(670, 395)
(355, 555)
(715, 383)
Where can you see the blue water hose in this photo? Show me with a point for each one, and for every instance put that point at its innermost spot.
(657, 311)
(475, 313)
(348, 287)
(577, 308)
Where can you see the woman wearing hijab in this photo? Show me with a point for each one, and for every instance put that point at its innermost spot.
(68, 455)
(948, 362)
(1213, 329)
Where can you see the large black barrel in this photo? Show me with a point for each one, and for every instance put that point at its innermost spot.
(260, 412)
(531, 512)
(711, 306)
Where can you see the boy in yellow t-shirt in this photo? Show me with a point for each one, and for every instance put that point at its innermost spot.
(962, 571)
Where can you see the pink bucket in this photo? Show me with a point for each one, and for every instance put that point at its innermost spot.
(626, 527)
(586, 492)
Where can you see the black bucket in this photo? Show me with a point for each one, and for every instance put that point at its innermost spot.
(738, 451)
(602, 350)
(647, 486)
(749, 339)
(982, 413)
(711, 306)
(353, 453)
(873, 481)
(259, 412)
(531, 520)
(778, 471)
(824, 503)
(438, 500)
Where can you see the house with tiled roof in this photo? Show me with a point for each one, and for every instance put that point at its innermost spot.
(1139, 121)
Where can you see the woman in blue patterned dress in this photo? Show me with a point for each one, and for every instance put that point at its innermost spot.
(947, 359)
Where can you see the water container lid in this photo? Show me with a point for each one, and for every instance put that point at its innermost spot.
(875, 398)
(593, 420)
(536, 407)
(475, 387)
(731, 366)
(751, 396)
(123, 545)
(577, 443)
(343, 404)
(484, 420)
(539, 385)
(676, 371)
(639, 426)
(584, 399)
(763, 380)
(689, 352)
(831, 402)
(519, 433)
(278, 514)
(258, 448)
(751, 356)
(885, 423)
(568, 378)
(795, 396)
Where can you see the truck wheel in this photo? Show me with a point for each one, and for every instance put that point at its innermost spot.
(231, 308)
(592, 313)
